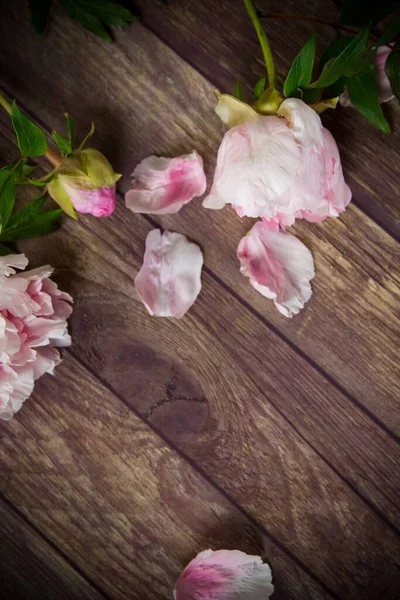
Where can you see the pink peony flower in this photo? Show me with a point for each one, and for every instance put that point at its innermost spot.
(164, 185)
(225, 575)
(33, 321)
(384, 86)
(170, 279)
(280, 167)
(279, 266)
(85, 183)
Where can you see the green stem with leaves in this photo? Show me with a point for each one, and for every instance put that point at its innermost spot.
(266, 48)
(52, 155)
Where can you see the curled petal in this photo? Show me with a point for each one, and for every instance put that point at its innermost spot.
(303, 122)
(170, 279)
(9, 263)
(278, 265)
(233, 112)
(164, 185)
(225, 575)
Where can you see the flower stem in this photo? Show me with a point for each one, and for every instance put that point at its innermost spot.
(5, 103)
(266, 49)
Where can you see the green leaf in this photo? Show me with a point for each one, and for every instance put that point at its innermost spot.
(348, 62)
(300, 72)
(70, 128)
(27, 170)
(27, 213)
(311, 96)
(87, 20)
(390, 33)
(238, 91)
(361, 12)
(40, 224)
(259, 88)
(4, 250)
(363, 92)
(62, 143)
(39, 11)
(95, 14)
(7, 196)
(393, 69)
(86, 138)
(31, 139)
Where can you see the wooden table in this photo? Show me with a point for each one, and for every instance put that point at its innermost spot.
(234, 427)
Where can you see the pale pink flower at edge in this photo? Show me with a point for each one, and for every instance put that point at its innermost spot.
(225, 575)
(163, 185)
(33, 322)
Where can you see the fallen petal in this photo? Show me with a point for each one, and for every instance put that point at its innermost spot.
(170, 279)
(225, 575)
(278, 265)
(164, 185)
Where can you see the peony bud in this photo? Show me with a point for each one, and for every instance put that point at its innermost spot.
(85, 183)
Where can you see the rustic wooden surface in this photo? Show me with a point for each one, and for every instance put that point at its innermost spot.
(233, 427)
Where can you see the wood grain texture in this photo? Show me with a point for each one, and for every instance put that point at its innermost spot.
(219, 41)
(217, 416)
(128, 510)
(32, 568)
(156, 103)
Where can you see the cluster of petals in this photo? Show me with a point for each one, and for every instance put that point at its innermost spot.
(33, 323)
(275, 168)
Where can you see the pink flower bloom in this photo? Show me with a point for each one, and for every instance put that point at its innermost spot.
(85, 183)
(170, 279)
(384, 86)
(164, 185)
(279, 266)
(280, 167)
(225, 575)
(33, 321)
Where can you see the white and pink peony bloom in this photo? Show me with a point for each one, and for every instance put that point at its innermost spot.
(33, 322)
(225, 575)
(164, 185)
(278, 265)
(280, 167)
(85, 183)
(384, 86)
(169, 280)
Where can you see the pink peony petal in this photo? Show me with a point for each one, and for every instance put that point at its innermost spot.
(225, 575)
(170, 279)
(303, 122)
(279, 266)
(164, 185)
(19, 261)
(98, 202)
(257, 162)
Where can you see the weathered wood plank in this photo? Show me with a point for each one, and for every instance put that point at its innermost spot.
(221, 43)
(118, 502)
(156, 103)
(206, 403)
(31, 568)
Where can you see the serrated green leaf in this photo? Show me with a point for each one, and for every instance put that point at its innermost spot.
(363, 92)
(4, 250)
(259, 88)
(87, 20)
(62, 143)
(70, 128)
(26, 214)
(40, 224)
(390, 33)
(238, 92)
(300, 72)
(31, 139)
(39, 12)
(393, 69)
(7, 196)
(360, 12)
(347, 62)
